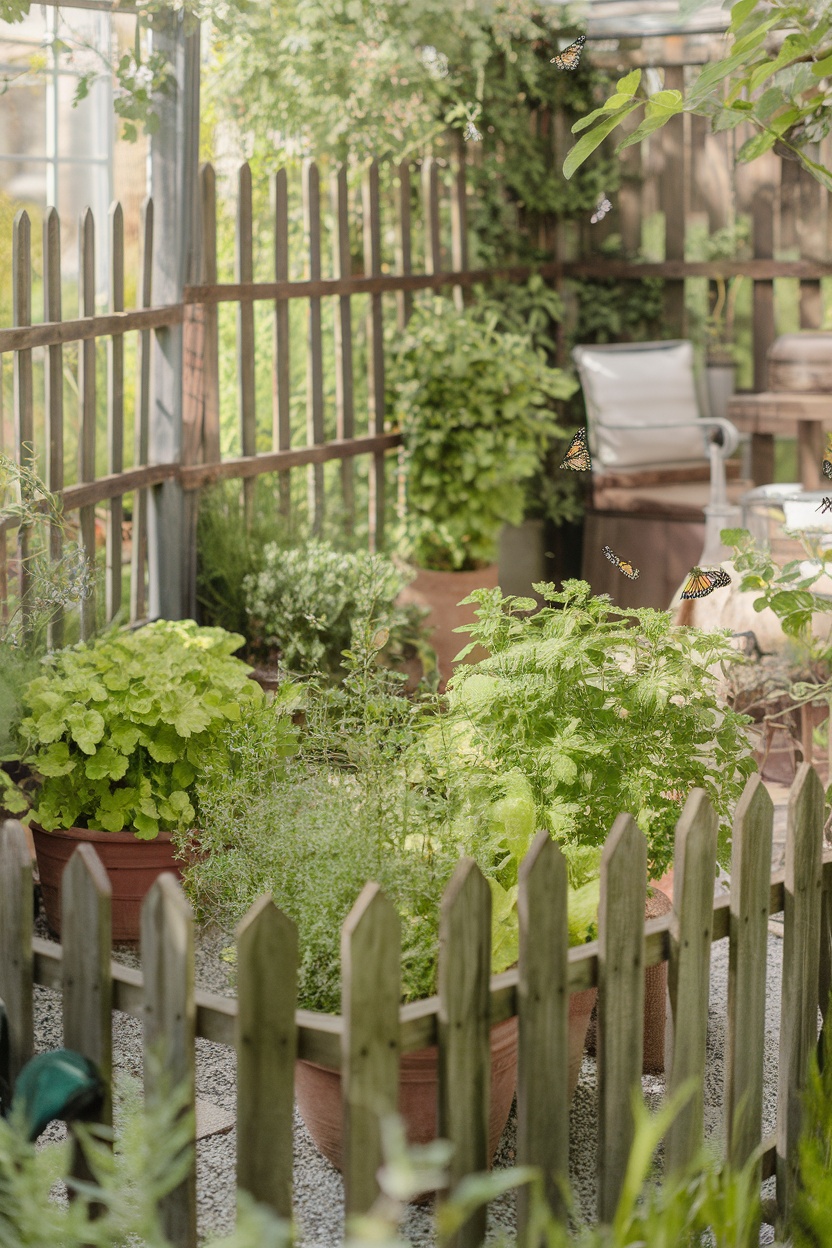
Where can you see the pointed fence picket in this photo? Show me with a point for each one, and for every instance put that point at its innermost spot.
(269, 1032)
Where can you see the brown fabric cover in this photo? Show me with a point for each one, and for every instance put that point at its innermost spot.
(681, 500)
(663, 476)
(664, 551)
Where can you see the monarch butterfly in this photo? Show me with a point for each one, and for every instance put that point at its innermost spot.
(826, 505)
(601, 209)
(471, 132)
(623, 565)
(570, 58)
(827, 468)
(701, 583)
(577, 456)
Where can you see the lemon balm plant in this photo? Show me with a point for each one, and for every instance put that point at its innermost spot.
(118, 733)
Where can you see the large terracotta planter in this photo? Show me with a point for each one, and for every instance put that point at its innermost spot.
(318, 1088)
(441, 593)
(132, 865)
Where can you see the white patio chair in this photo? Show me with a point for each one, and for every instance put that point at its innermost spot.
(661, 487)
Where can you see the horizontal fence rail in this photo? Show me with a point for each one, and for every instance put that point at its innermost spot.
(532, 991)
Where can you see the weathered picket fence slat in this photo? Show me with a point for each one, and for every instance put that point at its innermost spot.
(688, 974)
(314, 344)
(801, 953)
(54, 399)
(375, 347)
(747, 958)
(269, 1032)
(344, 390)
(620, 1002)
(138, 597)
(245, 329)
(87, 393)
(22, 378)
(281, 375)
(115, 413)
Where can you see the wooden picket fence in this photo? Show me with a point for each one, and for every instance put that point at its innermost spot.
(366, 1041)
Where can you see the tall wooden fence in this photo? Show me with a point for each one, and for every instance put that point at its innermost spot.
(683, 174)
(367, 1040)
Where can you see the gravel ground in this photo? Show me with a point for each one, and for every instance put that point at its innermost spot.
(318, 1190)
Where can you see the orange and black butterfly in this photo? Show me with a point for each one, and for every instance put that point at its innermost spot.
(623, 565)
(577, 456)
(570, 58)
(701, 583)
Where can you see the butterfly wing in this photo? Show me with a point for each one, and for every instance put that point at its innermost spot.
(627, 568)
(612, 558)
(577, 457)
(719, 578)
(827, 468)
(698, 584)
(570, 58)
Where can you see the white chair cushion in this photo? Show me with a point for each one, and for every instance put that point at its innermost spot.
(640, 386)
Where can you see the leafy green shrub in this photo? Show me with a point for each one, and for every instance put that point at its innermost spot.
(120, 730)
(302, 604)
(575, 716)
(475, 408)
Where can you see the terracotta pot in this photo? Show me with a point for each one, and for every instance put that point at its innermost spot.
(655, 997)
(132, 865)
(441, 593)
(318, 1088)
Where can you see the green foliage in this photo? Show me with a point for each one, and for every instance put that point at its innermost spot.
(288, 82)
(596, 714)
(617, 311)
(474, 405)
(132, 1169)
(313, 827)
(303, 602)
(782, 94)
(120, 730)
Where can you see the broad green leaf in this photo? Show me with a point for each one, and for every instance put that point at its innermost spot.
(754, 147)
(629, 84)
(106, 763)
(657, 114)
(165, 747)
(191, 717)
(576, 156)
(125, 736)
(731, 117)
(614, 102)
(86, 727)
(56, 760)
(740, 11)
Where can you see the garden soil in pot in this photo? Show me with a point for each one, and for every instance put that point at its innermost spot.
(132, 865)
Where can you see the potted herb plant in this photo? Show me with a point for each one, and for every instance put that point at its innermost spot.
(578, 711)
(118, 733)
(342, 801)
(474, 404)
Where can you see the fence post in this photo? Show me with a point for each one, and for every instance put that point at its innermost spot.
(689, 970)
(115, 412)
(371, 992)
(344, 396)
(22, 378)
(267, 990)
(375, 349)
(54, 407)
(464, 1034)
(314, 345)
(17, 914)
(174, 154)
(543, 1010)
(141, 437)
(801, 945)
(281, 376)
(167, 947)
(244, 264)
(87, 392)
(620, 1002)
(747, 958)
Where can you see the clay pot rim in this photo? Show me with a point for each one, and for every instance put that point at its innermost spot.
(90, 834)
(429, 1052)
